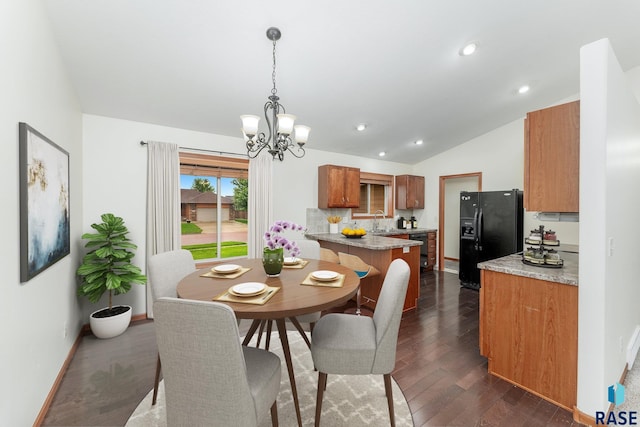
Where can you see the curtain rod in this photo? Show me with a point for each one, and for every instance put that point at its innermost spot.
(142, 143)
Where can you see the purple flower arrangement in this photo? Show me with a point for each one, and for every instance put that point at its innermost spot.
(274, 240)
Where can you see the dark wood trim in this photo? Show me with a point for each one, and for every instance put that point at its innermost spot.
(58, 380)
(443, 179)
(582, 418)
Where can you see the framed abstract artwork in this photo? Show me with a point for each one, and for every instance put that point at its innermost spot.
(44, 202)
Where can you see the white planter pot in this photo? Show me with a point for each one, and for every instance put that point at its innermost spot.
(109, 327)
(333, 228)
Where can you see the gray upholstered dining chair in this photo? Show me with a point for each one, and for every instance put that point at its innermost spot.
(165, 271)
(209, 377)
(346, 344)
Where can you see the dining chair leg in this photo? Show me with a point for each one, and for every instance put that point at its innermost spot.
(389, 392)
(322, 384)
(274, 414)
(311, 326)
(157, 381)
(358, 300)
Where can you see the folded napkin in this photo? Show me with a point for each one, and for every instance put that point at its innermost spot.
(258, 299)
(301, 264)
(215, 275)
(337, 283)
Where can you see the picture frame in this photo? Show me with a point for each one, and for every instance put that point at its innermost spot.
(44, 202)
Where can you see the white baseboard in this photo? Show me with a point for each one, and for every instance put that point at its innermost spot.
(450, 270)
(632, 348)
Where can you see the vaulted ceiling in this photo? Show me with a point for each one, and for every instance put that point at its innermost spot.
(394, 65)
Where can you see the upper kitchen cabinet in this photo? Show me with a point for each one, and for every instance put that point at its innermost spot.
(409, 192)
(338, 187)
(552, 159)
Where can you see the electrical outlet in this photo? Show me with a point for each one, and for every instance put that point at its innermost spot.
(610, 246)
(65, 330)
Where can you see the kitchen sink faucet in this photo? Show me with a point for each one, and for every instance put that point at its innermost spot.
(375, 219)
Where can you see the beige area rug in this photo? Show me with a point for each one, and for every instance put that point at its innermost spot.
(357, 400)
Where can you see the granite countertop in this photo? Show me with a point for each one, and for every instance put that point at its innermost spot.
(512, 264)
(373, 242)
(396, 231)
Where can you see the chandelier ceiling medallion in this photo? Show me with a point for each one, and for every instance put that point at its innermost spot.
(280, 124)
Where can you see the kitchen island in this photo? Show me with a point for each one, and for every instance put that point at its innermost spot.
(529, 325)
(378, 251)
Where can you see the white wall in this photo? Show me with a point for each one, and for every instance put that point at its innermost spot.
(35, 89)
(609, 173)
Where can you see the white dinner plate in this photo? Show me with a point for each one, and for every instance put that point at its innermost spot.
(324, 275)
(248, 289)
(291, 260)
(226, 268)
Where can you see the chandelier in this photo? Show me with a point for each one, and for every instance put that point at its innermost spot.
(280, 124)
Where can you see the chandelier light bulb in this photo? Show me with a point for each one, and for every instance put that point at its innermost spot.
(285, 123)
(250, 125)
(302, 133)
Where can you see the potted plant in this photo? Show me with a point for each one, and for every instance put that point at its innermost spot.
(107, 267)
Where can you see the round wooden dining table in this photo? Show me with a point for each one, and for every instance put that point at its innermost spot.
(291, 299)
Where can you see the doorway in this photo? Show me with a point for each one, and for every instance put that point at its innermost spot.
(449, 216)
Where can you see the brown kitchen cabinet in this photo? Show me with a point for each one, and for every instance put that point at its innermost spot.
(529, 334)
(380, 259)
(409, 192)
(552, 159)
(338, 187)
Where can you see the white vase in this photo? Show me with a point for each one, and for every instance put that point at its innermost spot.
(109, 327)
(333, 228)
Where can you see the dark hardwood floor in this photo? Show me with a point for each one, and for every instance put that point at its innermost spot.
(439, 369)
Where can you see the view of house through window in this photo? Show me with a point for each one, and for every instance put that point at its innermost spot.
(213, 206)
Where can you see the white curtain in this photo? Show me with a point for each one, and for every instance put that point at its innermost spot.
(260, 205)
(163, 202)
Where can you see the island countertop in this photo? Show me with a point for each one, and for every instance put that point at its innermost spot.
(512, 264)
(373, 242)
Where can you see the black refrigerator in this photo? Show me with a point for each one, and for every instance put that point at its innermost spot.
(490, 227)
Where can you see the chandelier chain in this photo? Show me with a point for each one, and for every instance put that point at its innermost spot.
(273, 74)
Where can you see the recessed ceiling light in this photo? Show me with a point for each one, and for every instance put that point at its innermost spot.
(361, 127)
(523, 89)
(419, 142)
(468, 49)
(382, 154)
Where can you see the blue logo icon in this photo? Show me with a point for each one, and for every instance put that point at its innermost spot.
(616, 394)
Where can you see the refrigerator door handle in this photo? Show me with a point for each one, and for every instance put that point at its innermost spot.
(479, 230)
(475, 228)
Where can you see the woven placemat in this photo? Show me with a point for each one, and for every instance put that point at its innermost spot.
(215, 275)
(302, 264)
(258, 299)
(310, 281)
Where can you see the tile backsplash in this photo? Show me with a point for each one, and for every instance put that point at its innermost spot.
(317, 220)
